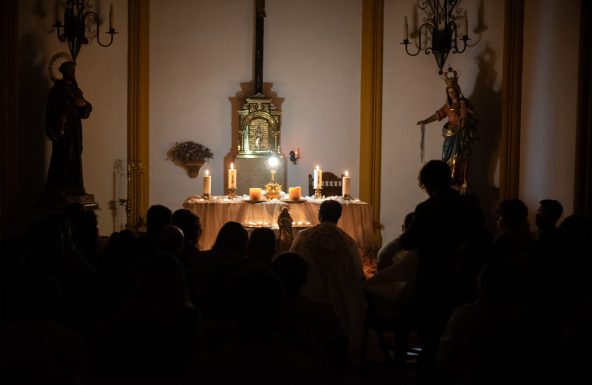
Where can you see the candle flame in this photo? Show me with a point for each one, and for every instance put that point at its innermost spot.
(346, 173)
(207, 172)
(317, 167)
(232, 166)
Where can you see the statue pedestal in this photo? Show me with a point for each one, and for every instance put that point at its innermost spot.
(254, 171)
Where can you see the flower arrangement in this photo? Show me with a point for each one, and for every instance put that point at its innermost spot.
(189, 152)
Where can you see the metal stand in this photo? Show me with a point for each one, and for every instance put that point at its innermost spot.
(206, 197)
(231, 193)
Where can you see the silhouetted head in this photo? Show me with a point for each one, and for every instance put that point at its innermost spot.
(261, 245)
(548, 213)
(232, 239)
(292, 271)
(170, 239)
(576, 229)
(68, 70)
(189, 223)
(157, 217)
(330, 211)
(511, 213)
(435, 176)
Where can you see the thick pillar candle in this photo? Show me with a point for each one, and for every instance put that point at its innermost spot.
(295, 193)
(207, 183)
(232, 177)
(255, 194)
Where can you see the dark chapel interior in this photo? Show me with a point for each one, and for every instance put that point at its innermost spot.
(271, 191)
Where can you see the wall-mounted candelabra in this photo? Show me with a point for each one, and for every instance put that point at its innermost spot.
(80, 24)
(440, 32)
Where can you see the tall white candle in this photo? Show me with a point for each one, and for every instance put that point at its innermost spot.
(207, 183)
(232, 177)
(405, 29)
(318, 178)
(111, 16)
(345, 182)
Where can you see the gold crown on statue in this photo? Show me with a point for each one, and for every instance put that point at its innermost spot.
(450, 76)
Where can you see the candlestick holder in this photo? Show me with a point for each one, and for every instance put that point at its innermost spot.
(318, 194)
(206, 196)
(347, 197)
(231, 193)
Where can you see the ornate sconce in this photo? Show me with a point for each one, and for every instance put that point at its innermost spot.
(78, 22)
(439, 34)
(294, 156)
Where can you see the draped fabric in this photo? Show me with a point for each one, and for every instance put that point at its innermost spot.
(356, 217)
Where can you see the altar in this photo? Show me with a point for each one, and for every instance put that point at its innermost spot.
(356, 218)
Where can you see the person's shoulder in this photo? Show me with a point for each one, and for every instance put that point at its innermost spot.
(345, 235)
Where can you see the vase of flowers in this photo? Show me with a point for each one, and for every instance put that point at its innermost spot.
(189, 155)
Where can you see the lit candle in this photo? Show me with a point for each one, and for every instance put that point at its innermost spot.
(466, 25)
(295, 193)
(111, 16)
(255, 194)
(318, 178)
(345, 184)
(207, 184)
(232, 177)
(405, 29)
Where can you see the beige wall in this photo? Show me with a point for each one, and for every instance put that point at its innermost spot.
(549, 103)
(202, 50)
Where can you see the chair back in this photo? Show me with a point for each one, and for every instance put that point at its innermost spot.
(331, 184)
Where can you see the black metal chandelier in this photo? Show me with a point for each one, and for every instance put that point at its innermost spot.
(439, 33)
(80, 24)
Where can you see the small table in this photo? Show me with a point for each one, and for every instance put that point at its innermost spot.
(356, 217)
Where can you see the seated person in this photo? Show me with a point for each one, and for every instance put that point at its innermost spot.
(390, 252)
(396, 271)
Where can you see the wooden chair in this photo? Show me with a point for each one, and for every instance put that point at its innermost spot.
(331, 184)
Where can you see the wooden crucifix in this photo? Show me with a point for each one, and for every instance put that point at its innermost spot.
(259, 21)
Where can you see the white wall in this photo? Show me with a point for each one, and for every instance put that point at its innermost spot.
(549, 102)
(413, 90)
(101, 74)
(202, 50)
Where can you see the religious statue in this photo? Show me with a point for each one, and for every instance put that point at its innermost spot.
(66, 107)
(258, 138)
(285, 237)
(459, 132)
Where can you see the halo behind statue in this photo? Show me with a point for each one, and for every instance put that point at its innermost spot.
(55, 62)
